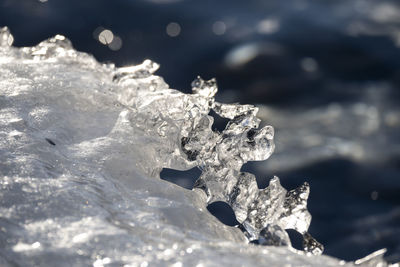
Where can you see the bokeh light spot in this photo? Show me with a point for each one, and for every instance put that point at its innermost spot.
(374, 195)
(116, 43)
(268, 26)
(219, 28)
(173, 29)
(106, 37)
(309, 64)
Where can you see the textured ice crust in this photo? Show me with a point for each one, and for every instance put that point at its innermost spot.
(80, 142)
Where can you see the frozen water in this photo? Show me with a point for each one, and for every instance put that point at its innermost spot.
(82, 145)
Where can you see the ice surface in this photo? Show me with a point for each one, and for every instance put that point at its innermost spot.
(82, 146)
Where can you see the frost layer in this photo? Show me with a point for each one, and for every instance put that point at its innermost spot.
(81, 143)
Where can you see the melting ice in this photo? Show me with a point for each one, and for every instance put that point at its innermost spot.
(82, 147)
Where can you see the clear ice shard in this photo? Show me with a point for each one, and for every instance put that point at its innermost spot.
(222, 155)
(82, 145)
(6, 39)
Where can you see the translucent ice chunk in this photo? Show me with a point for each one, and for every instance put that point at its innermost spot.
(81, 145)
(375, 259)
(6, 39)
(178, 134)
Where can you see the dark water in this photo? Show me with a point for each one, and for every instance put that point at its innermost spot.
(293, 56)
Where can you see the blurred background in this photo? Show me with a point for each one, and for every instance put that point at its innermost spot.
(325, 74)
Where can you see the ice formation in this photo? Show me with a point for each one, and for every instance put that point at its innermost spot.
(82, 145)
